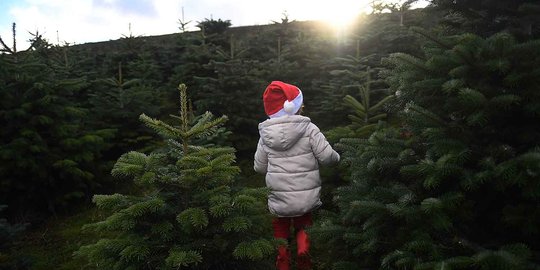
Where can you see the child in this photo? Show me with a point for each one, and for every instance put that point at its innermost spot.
(289, 152)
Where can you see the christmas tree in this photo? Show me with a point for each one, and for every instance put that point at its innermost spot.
(366, 112)
(116, 102)
(48, 152)
(519, 17)
(186, 212)
(457, 186)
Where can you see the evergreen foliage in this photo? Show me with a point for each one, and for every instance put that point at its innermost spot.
(397, 7)
(231, 75)
(487, 17)
(228, 67)
(211, 26)
(373, 38)
(48, 154)
(116, 101)
(232, 90)
(8, 235)
(367, 112)
(457, 186)
(188, 212)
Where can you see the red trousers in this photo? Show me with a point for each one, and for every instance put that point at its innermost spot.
(282, 229)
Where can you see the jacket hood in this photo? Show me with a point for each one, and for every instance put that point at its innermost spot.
(283, 132)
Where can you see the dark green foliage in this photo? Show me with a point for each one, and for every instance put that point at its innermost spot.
(487, 17)
(116, 101)
(457, 186)
(367, 112)
(371, 39)
(193, 68)
(48, 154)
(232, 75)
(398, 7)
(211, 26)
(229, 67)
(234, 89)
(188, 212)
(8, 235)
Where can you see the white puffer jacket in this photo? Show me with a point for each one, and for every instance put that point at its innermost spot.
(289, 152)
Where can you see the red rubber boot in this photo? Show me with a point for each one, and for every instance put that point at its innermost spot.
(303, 261)
(283, 259)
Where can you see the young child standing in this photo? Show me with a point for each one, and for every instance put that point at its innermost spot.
(289, 152)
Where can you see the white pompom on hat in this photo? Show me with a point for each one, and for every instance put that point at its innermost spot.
(282, 99)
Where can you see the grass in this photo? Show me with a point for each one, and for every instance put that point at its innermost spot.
(51, 245)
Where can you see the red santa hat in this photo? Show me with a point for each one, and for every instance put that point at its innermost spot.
(282, 99)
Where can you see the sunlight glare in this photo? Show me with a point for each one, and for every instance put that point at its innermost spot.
(339, 13)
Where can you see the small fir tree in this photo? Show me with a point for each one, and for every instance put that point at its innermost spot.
(367, 111)
(188, 212)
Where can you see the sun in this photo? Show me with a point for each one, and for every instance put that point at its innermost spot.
(338, 13)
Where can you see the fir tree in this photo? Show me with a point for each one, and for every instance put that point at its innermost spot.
(485, 18)
(212, 27)
(48, 152)
(195, 54)
(281, 65)
(371, 38)
(188, 212)
(397, 7)
(366, 113)
(354, 79)
(234, 79)
(116, 102)
(457, 187)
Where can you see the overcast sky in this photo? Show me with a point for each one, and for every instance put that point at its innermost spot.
(82, 21)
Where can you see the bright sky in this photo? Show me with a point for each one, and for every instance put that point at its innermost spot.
(81, 21)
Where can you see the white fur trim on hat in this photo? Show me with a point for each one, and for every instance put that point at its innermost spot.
(290, 107)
